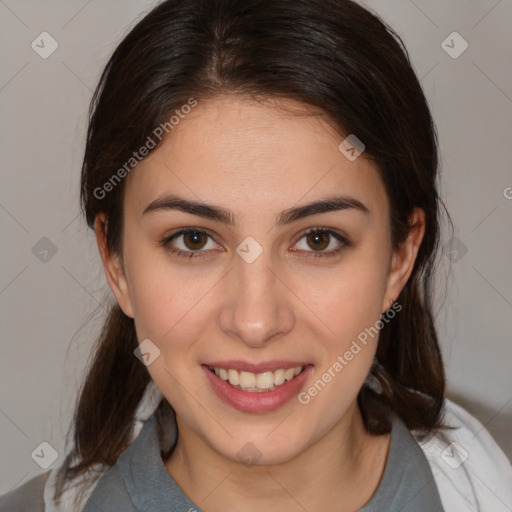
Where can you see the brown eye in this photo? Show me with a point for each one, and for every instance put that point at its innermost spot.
(195, 240)
(318, 240)
(322, 243)
(189, 243)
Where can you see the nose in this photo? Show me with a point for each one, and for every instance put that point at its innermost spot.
(257, 306)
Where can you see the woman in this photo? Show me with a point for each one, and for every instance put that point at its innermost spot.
(261, 179)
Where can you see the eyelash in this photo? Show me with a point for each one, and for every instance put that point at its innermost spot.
(202, 254)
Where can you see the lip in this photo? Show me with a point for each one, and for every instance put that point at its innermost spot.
(263, 401)
(269, 366)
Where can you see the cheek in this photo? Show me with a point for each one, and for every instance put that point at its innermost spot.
(168, 301)
(347, 299)
(350, 307)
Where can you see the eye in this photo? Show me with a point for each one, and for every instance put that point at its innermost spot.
(320, 239)
(192, 241)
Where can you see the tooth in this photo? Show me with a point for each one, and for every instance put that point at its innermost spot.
(262, 381)
(265, 380)
(279, 377)
(234, 377)
(247, 380)
(289, 374)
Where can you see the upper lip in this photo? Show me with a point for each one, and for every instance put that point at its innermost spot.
(267, 366)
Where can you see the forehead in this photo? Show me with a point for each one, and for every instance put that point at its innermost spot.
(254, 156)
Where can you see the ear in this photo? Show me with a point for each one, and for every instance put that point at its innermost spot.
(402, 261)
(113, 266)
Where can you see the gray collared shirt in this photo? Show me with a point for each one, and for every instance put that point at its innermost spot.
(139, 481)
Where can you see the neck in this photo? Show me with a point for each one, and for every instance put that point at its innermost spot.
(343, 467)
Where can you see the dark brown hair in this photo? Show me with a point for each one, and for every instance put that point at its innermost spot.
(332, 55)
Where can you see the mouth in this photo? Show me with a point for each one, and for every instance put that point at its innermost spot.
(256, 388)
(257, 382)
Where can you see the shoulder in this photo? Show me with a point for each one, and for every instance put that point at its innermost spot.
(470, 469)
(28, 497)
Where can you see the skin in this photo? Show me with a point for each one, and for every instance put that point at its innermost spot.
(258, 159)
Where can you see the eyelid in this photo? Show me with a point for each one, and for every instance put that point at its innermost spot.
(323, 229)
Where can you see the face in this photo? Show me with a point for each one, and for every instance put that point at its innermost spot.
(260, 288)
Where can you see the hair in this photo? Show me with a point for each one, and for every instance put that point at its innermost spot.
(330, 55)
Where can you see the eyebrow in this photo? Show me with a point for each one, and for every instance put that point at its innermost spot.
(220, 214)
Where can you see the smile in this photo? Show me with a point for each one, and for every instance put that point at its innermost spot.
(256, 388)
(257, 382)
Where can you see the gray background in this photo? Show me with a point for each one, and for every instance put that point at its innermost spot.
(51, 311)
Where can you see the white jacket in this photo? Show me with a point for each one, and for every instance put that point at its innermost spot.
(471, 472)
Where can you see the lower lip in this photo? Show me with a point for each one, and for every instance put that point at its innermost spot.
(257, 401)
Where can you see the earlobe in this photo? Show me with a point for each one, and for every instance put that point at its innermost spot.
(113, 266)
(402, 262)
